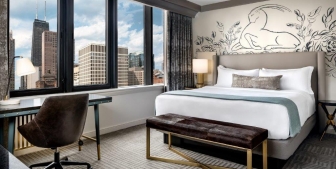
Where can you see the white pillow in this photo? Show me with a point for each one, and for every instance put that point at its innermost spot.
(224, 77)
(292, 79)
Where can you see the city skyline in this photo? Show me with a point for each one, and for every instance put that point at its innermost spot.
(131, 32)
(91, 69)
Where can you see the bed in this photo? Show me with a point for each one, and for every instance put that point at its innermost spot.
(281, 145)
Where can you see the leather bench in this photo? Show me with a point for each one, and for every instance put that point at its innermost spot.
(207, 131)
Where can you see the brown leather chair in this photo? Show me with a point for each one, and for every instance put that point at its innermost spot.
(59, 122)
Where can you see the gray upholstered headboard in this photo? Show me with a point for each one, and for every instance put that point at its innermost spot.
(283, 61)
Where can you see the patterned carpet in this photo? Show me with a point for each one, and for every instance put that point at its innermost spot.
(315, 154)
(125, 149)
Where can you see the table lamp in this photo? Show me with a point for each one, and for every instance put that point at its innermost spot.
(200, 66)
(23, 67)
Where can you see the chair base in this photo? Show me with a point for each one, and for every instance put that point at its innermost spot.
(59, 163)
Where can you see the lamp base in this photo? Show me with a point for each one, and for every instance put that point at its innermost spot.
(200, 80)
(9, 102)
(198, 85)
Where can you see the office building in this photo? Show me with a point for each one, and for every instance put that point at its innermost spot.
(123, 62)
(11, 55)
(92, 64)
(23, 83)
(49, 66)
(136, 59)
(135, 76)
(49, 54)
(39, 26)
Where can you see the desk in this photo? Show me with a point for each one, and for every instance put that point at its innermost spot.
(32, 106)
(8, 160)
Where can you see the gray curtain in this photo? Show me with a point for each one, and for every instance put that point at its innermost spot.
(179, 52)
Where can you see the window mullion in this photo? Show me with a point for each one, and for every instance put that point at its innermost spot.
(68, 44)
(148, 45)
(112, 42)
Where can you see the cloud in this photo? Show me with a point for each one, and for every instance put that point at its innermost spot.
(26, 9)
(158, 45)
(94, 31)
(159, 58)
(130, 38)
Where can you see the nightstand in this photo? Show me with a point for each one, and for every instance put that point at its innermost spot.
(330, 122)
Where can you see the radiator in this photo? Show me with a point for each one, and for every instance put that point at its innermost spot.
(20, 142)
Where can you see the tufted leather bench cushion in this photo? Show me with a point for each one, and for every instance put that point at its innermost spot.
(222, 132)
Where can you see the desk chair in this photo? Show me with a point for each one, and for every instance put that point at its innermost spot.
(60, 122)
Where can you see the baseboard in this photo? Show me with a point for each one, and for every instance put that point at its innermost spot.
(90, 134)
(111, 129)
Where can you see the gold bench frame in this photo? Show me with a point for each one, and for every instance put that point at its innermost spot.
(192, 162)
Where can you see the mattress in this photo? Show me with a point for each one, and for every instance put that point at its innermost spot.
(272, 117)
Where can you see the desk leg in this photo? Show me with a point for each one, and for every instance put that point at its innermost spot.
(11, 134)
(96, 111)
(2, 131)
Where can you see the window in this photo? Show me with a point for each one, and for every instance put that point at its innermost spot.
(33, 34)
(72, 50)
(130, 43)
(89, 43)
(158, 27)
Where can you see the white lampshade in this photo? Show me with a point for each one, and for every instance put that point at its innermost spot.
(200, 65)
(24, 67)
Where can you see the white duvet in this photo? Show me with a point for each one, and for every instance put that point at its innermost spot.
(272, 117)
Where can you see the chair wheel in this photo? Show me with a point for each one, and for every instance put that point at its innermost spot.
(80, 143)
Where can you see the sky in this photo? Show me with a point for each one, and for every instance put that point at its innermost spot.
(89, 25)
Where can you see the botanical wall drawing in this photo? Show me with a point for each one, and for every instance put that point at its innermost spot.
(240, 39)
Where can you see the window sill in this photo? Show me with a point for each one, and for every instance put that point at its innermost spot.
(110, 92)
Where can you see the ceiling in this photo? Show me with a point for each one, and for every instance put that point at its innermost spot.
(205, 2)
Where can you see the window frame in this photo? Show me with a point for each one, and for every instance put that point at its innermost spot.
(60, 58)
(65, 29)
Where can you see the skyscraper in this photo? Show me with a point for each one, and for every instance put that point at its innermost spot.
(23, 83)
(92, 65)
(49, 60)
(123, 62)
(135, 76)
(136, 59)
(11, 55)
(39, 27)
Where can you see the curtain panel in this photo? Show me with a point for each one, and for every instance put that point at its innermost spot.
(179, 52)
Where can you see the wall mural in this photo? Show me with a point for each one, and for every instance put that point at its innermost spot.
(239, 39)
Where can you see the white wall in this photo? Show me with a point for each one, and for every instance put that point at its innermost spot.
(126, 110)
(129, 107)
